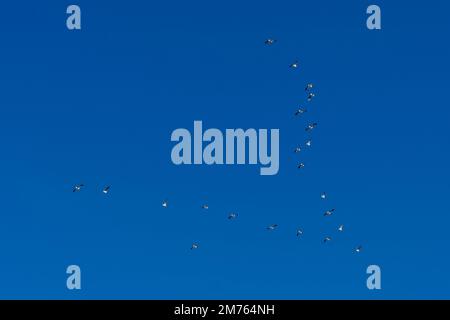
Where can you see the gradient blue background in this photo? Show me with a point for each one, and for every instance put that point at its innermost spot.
(97, 106)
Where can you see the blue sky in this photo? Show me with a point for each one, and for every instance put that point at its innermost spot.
(97, 106)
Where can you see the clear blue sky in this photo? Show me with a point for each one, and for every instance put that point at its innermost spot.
(97, 106)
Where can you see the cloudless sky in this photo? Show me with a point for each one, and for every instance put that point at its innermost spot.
(97, 106)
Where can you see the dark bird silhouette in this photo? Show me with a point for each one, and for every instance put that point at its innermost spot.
(311, 126)
(270, 41)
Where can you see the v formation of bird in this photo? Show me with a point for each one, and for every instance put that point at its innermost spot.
(310, 95)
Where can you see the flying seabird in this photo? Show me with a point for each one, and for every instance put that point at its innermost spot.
(328, 213)
(77, 187)
(311, 96)
(270, 41)
(232, 216)
(326, 239)
(297, 150)
(311, 126)
(301, 166)
(300, 111)
(205, 206)
(294, 65)
(272, 227)
(106, 189)
(309, 86)
(358, 249)
(299, 232)
(194, 246)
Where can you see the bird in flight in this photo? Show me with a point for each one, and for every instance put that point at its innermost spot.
(294, 65)
(270, 41)
(232, 216)
(358, 249)
(272, 227)
(301, 166)
(205, 207)
(326, 239)
(311, 126)
(77, 187)
(194, 246)
(299, 232)
(297, 149)
(309, 86)
(311, 96)
(328, 213)
(106, 189)
(300, 111)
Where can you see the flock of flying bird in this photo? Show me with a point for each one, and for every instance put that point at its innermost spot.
(310, 127)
